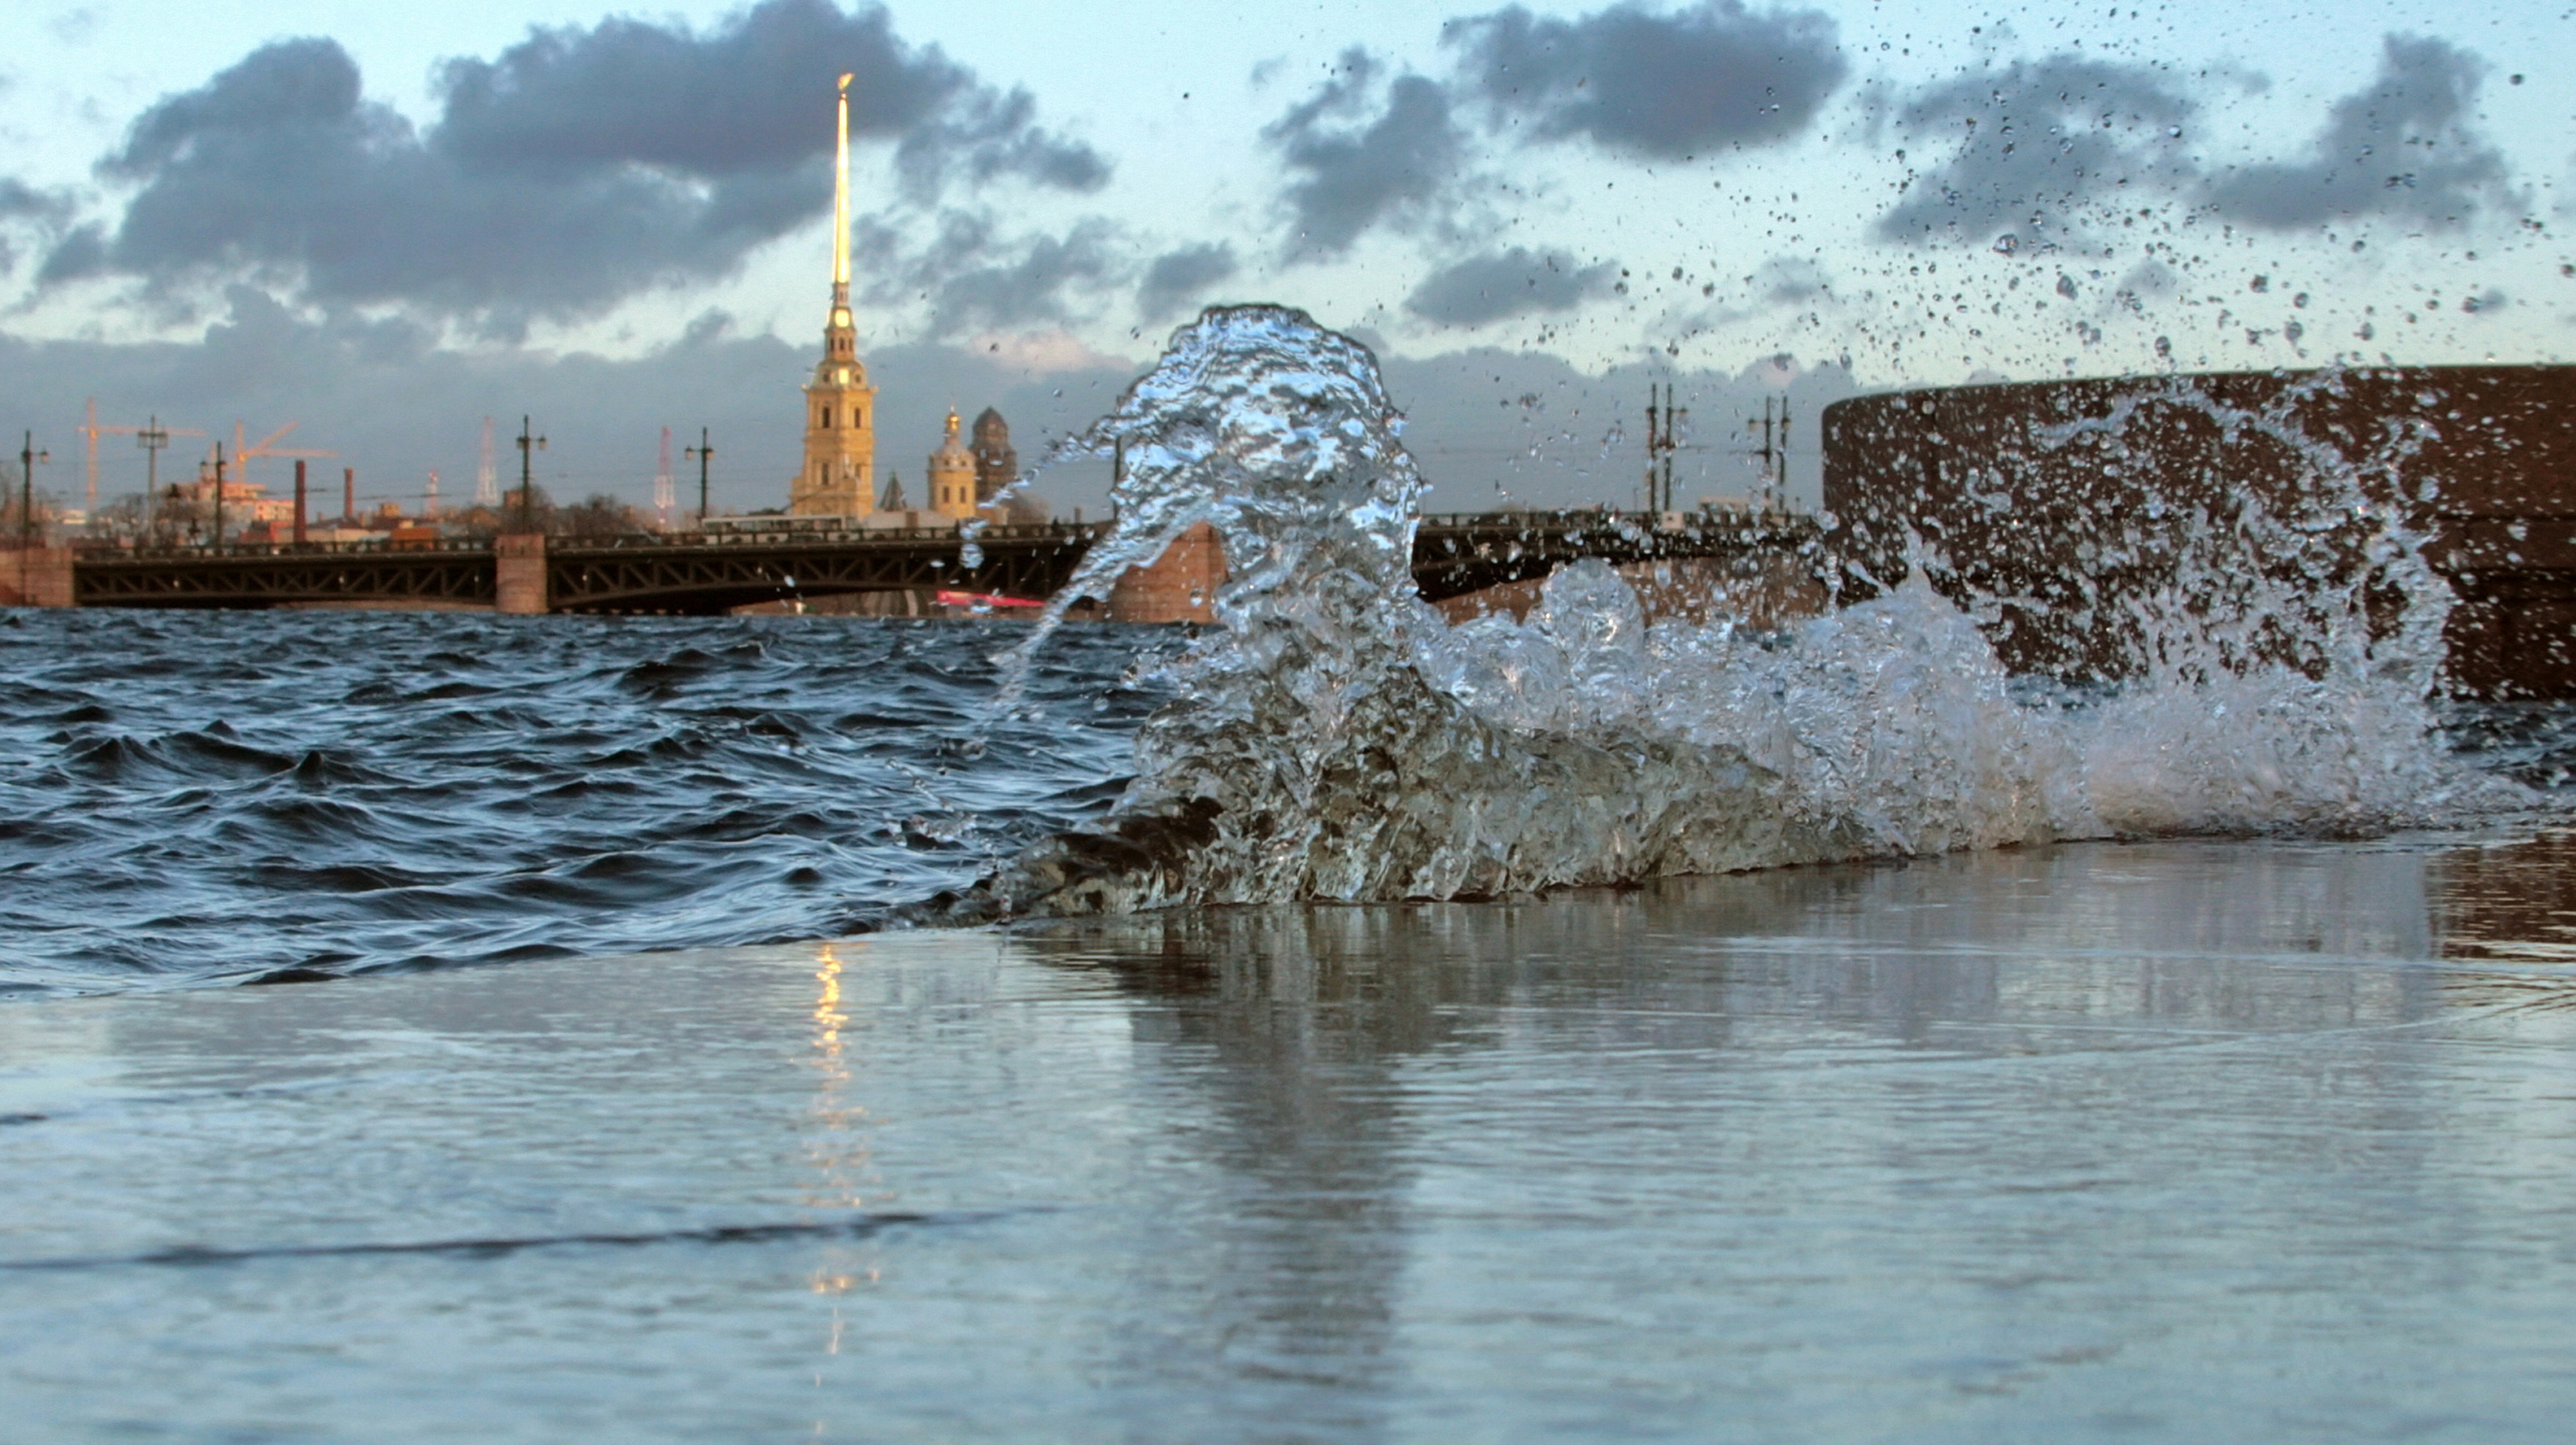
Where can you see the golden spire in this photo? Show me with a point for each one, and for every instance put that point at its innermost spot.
(841, 202)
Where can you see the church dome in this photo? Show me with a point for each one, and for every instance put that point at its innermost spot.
(952, 475)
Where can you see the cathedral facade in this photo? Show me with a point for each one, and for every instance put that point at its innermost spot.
(839, 478)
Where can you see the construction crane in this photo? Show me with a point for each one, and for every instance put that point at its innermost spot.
(265, 447)
(90, 431)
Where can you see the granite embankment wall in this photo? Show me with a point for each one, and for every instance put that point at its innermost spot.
(2064, 505)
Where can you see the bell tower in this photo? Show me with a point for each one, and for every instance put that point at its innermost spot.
(840, 472)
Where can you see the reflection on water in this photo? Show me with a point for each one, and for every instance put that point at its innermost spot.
(2510, 905)
(2180, 1141)
(838, 1145)
(2511, 901)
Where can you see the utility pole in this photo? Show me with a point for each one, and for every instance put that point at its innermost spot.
(1660, 447)
(1774, 451)
(299, 501)
(28, 456)
(700, 453)
(529, 446)
(152, 438)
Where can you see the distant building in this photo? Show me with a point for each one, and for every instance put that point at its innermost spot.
(243, 502)
(996, 465)
(839, 475)
(952, 476)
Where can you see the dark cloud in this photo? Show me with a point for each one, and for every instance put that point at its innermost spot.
(1177, 278)
(2405, 146)
(22, 202)
(978, 276)
(576, 168)
(1365, 154)
(1659, 86)
(1503, 284)
(82, 252)
(1032, 282)
(1790, 281)
(23, 208)
(2030, 150)
(742, 98)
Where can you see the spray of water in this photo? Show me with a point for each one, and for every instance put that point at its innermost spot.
(1335, 739)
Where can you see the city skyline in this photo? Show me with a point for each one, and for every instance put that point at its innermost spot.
(392, 226)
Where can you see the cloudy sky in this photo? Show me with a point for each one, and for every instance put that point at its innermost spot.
(387, 224)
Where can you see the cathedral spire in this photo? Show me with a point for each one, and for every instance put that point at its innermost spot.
(838, 478)
(841, 202)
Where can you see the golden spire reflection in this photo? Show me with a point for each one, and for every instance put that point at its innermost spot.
(837, 1148)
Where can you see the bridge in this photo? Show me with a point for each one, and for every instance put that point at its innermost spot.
(714, 572)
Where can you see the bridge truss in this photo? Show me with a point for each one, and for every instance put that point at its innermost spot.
(693, 573)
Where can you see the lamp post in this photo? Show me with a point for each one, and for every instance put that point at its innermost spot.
(28, 456)
(701, 452)
(529, 446)
(218, 539)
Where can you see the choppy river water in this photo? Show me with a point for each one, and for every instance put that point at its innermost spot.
(189, 797)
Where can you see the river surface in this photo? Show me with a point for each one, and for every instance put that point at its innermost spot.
(193, 797)
(2173, 1141)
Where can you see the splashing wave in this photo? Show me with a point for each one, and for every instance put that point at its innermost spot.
(1336, 740)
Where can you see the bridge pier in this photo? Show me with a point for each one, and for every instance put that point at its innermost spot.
(37, 577)
(1179, 586)
(519, 574)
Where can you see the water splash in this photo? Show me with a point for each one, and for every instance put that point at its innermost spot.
(1337, 740)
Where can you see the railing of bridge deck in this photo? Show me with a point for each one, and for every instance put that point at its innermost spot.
(93, 550)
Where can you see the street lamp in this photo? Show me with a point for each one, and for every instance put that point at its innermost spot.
(28, 456)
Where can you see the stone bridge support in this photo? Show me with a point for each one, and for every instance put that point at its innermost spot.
(36, 577)
(519, 574)
(1179, 586)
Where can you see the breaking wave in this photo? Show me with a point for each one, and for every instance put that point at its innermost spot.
(1336, 739)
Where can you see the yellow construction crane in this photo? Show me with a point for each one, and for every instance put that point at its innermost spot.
(90, 431)
(266, 447)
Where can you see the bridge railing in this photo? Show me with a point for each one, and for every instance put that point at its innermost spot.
(743, 536)
(1608, 519)
(88, 550)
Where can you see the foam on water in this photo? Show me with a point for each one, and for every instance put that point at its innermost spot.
(1335, 739)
